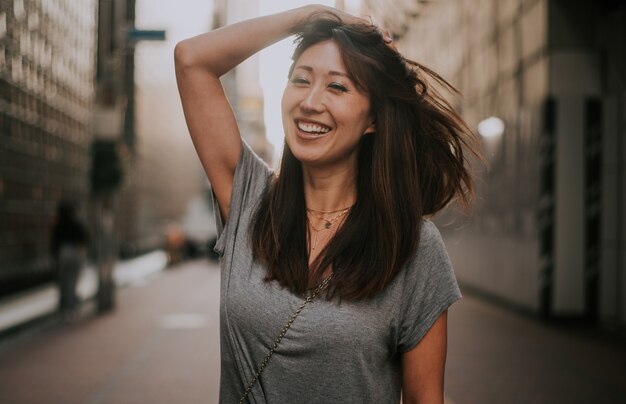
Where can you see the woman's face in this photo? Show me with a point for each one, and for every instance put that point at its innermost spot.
(324, 112)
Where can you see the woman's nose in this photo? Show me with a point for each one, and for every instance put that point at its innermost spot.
(313, 102)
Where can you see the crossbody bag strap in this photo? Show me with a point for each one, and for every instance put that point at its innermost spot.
(269, 355)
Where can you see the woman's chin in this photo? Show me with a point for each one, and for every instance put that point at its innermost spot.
(306, 153)
(309, 159)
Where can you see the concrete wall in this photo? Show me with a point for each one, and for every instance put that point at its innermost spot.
(588, 82)
(609, 33)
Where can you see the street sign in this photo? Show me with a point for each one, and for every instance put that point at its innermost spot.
(135, 35)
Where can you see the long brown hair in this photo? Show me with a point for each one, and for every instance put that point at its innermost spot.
(412, 166)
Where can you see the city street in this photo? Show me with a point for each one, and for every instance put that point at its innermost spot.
(161, 346)
(503, 121)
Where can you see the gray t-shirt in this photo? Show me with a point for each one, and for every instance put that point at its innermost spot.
(333, 353)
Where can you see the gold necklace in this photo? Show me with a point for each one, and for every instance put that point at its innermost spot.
(330, 221)
(327, 225)
(328, 211)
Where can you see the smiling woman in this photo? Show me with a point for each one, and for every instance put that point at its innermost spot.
(330, 260)
(324, 112)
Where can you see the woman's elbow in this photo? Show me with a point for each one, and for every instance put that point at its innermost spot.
(182, 56)
(188, 58)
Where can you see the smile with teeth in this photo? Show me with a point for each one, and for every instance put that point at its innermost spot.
(312, 128)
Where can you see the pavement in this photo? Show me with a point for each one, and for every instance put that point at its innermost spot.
(161, 345)
(38, 303)
(499, 356)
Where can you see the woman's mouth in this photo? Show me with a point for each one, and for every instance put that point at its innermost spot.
(312, 128)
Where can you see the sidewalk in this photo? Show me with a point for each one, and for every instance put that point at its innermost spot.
(42, 301)
(160, 345)
(499, 356)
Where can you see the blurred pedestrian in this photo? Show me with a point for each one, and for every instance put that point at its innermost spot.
(69, 243)
(335, 286)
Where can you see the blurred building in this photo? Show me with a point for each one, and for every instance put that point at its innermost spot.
(164, 181)
(139, 108)
(46, 89)
(548, 232)
(155, 191)
(138, 96)
(113, 126)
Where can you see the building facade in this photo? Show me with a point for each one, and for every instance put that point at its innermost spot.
(165, 175)
(139, 108)
(549, 221)
(47, 53)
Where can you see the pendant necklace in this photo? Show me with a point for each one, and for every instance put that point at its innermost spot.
(328, 223)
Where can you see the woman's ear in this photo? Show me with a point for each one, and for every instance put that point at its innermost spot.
(370, 129)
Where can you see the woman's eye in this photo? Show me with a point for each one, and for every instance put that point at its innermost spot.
(299, 80)
(338, 87)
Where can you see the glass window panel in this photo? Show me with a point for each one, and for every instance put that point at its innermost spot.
(18, 9)
(3, 24)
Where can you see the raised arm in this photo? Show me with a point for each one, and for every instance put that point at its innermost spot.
(200, 61)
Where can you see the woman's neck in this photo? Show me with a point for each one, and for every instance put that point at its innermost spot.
(326, 190)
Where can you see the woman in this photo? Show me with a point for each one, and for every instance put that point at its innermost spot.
(69, 242)
(369, 150)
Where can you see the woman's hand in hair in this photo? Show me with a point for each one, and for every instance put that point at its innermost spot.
(345, 17)
(348, 18)
(388, 39)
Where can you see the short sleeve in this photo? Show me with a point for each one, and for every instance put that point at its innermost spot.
(252, 176)
(429, 288)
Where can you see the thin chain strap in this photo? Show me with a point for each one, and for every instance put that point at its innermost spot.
(263, 364)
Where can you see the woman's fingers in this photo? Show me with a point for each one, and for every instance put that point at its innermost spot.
(388, 39)
(346, 18)
(353, 19)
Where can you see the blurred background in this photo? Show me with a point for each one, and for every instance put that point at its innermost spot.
(90, 116)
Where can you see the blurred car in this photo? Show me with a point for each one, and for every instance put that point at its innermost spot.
(198, 227)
